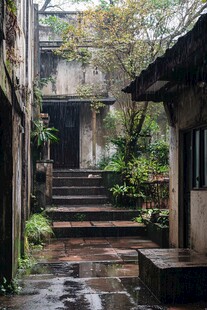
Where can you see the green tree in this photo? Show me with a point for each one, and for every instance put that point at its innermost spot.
(123, 37)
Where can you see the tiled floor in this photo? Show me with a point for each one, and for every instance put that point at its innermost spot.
(88, 274)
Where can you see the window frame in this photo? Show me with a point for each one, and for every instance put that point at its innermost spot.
(199, 158)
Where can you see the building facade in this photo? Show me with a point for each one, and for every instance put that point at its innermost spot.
(179, 80)
(81, 130)
(16, 92)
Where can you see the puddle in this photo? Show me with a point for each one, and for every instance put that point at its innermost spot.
(87, 269)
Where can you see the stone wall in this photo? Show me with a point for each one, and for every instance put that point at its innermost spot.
(16, 100)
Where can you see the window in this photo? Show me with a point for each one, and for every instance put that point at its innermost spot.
(200, 158)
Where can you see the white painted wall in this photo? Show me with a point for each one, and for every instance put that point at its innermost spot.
(191, 111)
(199, 220)
(173, 187)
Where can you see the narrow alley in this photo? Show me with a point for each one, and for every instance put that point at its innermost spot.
(103, 139)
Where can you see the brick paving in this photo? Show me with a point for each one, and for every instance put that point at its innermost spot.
(97, 224)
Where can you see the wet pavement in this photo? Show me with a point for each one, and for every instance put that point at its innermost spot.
(88, 274)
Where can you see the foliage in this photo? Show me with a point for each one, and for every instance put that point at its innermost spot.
(38, 229)
(124, 37)
(149, 160)
(57, 25)
(93, 93)
(158, 216)
(159, 151)
(42, 134)
(112, 124)
(136, 177)
(11, 6)
(116, 164)
(26, 263)
(9, 288)
(80, 217)
(126, 40)
(37, 90)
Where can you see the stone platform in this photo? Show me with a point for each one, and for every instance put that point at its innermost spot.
(174, 275)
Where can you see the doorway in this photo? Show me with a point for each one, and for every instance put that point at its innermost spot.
(65, 117)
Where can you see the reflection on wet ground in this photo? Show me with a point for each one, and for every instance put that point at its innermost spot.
(88, 274)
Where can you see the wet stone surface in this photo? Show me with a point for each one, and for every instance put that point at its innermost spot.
(81, 282)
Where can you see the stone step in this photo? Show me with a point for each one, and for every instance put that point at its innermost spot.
(77, 173)
(77, 181)
(90, 213)
(174, 275)
(98, 229)
(79, 200)
(79, 190)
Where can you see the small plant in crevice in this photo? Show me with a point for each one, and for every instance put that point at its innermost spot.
(79, 217)
(156, 216)
(26, 263)
(9, 288)
(38, 229)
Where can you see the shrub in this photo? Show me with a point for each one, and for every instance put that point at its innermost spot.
(38, 229)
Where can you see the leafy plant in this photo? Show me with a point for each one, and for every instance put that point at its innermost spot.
(57, 25)
(138, 219)
(9, 288)
(93, 93)
(42, 134)
(11, 5)
(26, 263)
(38, 229)
(116, 164)
(80, 217)
(158, 216)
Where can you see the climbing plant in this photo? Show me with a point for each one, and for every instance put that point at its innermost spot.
(92, 92)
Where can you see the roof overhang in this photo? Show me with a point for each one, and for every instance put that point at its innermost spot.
(183, 65)
(48, 100)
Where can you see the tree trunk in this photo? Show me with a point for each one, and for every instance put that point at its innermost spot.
(131, 143)
(45, 5)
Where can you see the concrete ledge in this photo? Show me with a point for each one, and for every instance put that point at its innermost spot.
(174, 275)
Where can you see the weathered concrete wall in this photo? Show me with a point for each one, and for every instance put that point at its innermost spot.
(85, 136)
(16, 99)
(17, 185)
(6, 205)
(199, 221)
(44, 174)
(190, 112)
(173, 187)
(65, 77)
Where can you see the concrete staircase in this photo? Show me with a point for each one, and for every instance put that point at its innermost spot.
(81, 208)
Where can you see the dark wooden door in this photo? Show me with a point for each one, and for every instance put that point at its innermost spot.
(65, 117)
(187, 186)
